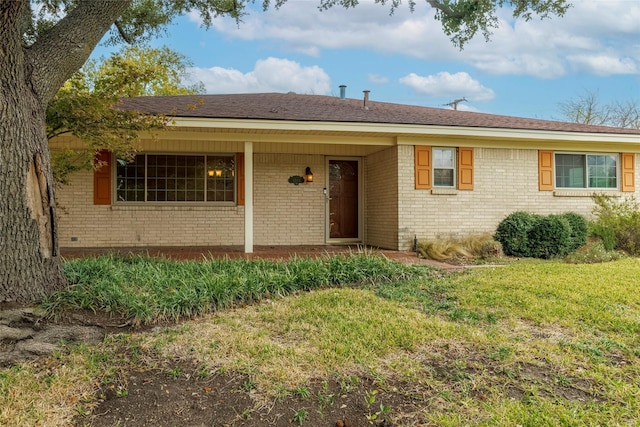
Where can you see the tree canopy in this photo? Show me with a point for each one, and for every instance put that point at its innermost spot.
(86, 105)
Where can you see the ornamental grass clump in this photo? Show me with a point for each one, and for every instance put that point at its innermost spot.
(146, 290)
(471, 247)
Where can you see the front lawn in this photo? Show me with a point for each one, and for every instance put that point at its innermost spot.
(528, 344)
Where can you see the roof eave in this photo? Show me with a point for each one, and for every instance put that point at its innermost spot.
(415, 130)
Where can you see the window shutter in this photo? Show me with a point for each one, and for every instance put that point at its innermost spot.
(628, 172)
(240, 180)
(422, 160)
(465, 168)
(102, 179)
(545, 170)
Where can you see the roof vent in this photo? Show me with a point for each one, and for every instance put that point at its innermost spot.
(343, 91)
(366, 99)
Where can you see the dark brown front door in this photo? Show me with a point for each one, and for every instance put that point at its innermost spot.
(343, 199)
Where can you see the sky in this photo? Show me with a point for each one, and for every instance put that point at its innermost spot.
(527, 69)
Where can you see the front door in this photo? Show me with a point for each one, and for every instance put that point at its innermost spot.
(344, 201)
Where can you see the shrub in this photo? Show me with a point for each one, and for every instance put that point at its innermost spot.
(512, 233)
(550, 237)
(579, 231)
(592, 253)
(620, 218)
(476, 246)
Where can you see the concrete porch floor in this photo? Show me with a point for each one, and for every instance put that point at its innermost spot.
(260, 252)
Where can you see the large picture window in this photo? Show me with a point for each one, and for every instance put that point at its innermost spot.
(176, 178)
(586, 170)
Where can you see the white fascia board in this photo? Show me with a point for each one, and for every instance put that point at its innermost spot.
(407, 130)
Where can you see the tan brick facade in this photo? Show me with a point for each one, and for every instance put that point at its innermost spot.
(381, 184)
(287, 214)
(505, 181)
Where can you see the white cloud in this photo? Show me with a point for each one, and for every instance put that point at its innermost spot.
(268, 75)
(547, 48)
(604, 65)
(446, 85)
(374, 78)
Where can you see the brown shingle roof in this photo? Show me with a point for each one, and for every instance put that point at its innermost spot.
(317, 108)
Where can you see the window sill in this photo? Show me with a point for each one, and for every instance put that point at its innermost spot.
(444, 191)
(583, 193)
(186, 207)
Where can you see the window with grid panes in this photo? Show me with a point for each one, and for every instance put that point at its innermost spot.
(162, 178)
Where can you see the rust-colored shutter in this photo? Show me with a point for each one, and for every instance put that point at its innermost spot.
(545, 170)
(465, 168)
(102, 179)
(240, 171)
(422, 167)
(628, 172)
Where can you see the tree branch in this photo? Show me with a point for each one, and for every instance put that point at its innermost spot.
(61, 51)
(123, 33)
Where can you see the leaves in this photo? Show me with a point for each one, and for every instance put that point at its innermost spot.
(86, 106)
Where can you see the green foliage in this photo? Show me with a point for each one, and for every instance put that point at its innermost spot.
(620, 218)
(84, 106)
(594, 252)
(579, 230)
(147, 290)
(512, 233)
(550, 237)
(525, 234)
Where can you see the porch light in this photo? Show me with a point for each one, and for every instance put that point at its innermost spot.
(308, 174)
(210, 172)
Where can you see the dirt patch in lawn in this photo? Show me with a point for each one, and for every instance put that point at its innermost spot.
(161, 398)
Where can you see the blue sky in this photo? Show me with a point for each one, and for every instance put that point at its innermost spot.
(526, 70)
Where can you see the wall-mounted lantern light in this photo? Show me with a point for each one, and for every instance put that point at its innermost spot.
(308, 174)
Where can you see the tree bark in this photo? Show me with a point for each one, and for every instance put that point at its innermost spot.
(30, 264)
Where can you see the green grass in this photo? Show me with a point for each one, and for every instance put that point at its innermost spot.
(147, 290)
(533, 343)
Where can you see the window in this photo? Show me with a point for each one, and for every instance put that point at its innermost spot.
(176, 178)
(442, 167)
(586, 170)
(444, 161)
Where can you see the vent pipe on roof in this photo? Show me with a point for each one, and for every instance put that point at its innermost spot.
(366, 99)
(343, 91)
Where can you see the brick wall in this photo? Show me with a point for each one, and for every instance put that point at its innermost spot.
(505, 180)
(381, 191)
(287, 214)
(83, 224)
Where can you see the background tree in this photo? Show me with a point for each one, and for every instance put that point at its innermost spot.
(41, 50)
(589, 109)
(85, 105)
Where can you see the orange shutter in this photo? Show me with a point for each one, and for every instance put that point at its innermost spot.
(545, 170)
(465, 168)
(102, 179)
(628, 172)
(240, 180)
(422, 159)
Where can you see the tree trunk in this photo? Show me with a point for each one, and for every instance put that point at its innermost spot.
(30, 264)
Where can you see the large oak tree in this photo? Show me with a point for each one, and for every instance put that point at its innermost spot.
(41, 48)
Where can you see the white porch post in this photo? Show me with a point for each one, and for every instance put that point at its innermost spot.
(248, 197)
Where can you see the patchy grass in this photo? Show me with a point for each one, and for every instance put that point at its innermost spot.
(529, 344)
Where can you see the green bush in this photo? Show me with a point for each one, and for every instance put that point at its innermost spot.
(620, 218)
(550, 237)
(512, 233)
(604, 234)
(579, 230)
